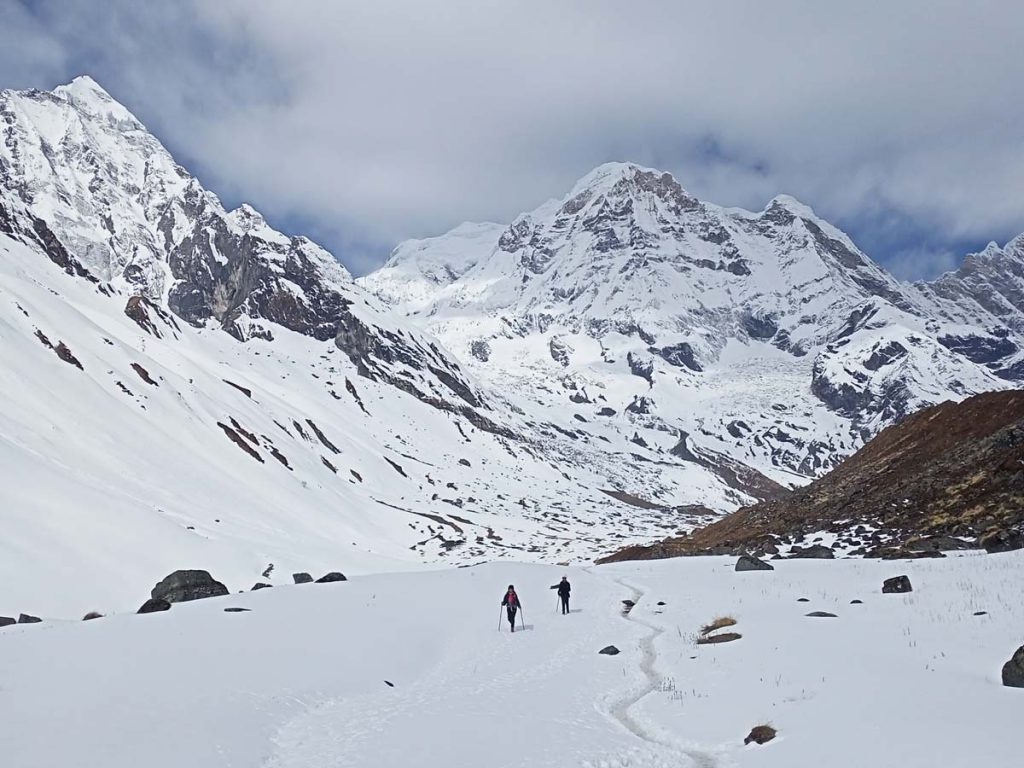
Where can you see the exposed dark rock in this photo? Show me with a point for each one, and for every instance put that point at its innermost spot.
(302, 578)
(760, 734)
(6, 621)
(609, 650)
(1001, 540)
(332, 576)
(803, 600)
(65, 354)
(92, 615)
(237, 440)
(153, 605)
(679, 355)
(856, 602)
(821, 615)
(481, 350)
(1013, 670)
(182, 586)
(560, 350)
(244, 390)
(642, 367)
(27, 618)
(897, 584)
(813, 552)
(606, 411)
(721, 637)
(260, 585)
(236, 610)
(143, 374)
(750, 563)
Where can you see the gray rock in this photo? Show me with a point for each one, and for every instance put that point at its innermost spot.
(302, 578)
(260, 585)
(1013, 670)
(6, 621)
(26, 618)
(154, 604)
(897, 584)
(609, 650)
(182, 586)
(821, 615)
(760, 734)
(332, 576)
(236, 610)
(751, 563)
(856, 602)
(815, 551)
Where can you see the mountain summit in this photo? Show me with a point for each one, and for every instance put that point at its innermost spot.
(767, 335)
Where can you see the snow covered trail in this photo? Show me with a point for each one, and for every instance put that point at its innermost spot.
(622, 710)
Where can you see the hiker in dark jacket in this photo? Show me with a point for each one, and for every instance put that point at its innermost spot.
(563, 588)
(512, 604)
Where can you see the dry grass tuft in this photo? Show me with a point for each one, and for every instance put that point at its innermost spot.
(720, 623)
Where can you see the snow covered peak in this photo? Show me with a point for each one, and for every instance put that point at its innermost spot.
(88, 96)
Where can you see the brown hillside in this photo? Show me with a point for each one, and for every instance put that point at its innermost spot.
(950, 476)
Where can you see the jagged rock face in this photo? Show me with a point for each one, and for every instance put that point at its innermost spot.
(80, 175)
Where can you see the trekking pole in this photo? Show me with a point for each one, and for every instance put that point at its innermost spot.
(522, 618)
(558, 602)
(499, 617)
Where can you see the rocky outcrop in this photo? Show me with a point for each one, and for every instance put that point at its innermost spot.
(182, 586)
(155, 605)
(1013, 670)
(331, 577)
(950, 473)
(897, 585)
(750, 563)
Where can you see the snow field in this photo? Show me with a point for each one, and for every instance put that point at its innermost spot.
(299, 681)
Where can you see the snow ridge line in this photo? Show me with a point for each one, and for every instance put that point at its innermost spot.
(620, 711)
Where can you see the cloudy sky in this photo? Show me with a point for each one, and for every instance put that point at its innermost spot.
(364, 123)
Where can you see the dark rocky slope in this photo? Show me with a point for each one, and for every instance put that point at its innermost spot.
(947, 477)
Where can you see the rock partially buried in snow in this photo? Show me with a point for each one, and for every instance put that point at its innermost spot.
(760, 734)
(332, 576)
(722, 637)
(816, 552)
(896, 585)
(154, 605)
(236, 610)
(821, 615)
(302, 578)
(182, 586)
(751, 563)
(27, 618)
(6, 621)
(260, 585)
(609, 650)
(856, 602)
(1013, 670)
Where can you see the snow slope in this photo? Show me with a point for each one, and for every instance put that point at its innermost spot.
(301, 680)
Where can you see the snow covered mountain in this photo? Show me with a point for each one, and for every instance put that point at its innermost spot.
(767, 337)
(187, 387)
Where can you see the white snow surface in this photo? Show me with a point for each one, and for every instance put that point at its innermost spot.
(301, 680)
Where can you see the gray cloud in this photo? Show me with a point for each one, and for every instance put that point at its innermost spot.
(370, 122)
